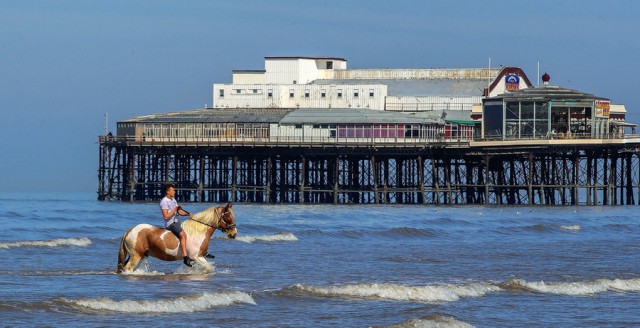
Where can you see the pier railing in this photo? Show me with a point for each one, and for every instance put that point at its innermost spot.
(314, 141)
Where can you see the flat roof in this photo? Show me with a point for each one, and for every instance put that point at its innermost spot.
(353, 116)
(545, 92)
(303, 57)
(418, 87)
(215, 115)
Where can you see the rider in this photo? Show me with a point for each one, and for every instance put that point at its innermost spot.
(170, 211)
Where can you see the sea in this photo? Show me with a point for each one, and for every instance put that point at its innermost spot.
(325, 266)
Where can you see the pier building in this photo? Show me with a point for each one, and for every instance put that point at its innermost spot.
(310, 130)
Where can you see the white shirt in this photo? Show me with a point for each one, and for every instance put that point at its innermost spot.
(169, 204)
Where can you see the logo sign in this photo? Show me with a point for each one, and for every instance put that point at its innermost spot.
(512, 82)
(602, 108)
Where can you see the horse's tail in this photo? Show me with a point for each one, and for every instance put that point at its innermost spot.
(122, 254)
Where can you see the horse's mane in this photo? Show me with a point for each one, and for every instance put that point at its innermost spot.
(207, 216)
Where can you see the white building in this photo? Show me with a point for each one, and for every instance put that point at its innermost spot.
(326, 82)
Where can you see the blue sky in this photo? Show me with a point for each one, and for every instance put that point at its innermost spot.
(64, 63)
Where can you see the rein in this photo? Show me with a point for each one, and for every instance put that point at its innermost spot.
(229, 226)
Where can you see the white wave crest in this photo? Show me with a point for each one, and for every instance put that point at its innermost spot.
(427, 294)
(578, 288)
(185, 304)
(432, 321)
(53, 243)
(575, 227)
(282, 236)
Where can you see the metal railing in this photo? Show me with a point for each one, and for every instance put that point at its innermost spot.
(315, 141)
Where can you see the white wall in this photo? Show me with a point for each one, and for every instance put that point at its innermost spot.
(281, 98)
(248, 77)
(501, 87)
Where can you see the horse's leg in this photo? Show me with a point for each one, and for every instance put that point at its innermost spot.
(134, 259)
(122, 255)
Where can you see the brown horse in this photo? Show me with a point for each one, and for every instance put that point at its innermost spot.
(144, 239)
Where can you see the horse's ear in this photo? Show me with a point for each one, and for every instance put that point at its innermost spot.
(229, 205)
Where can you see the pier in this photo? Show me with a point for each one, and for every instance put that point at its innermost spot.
(307, 130)
(533, 172)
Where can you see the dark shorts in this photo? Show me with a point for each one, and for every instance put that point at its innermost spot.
(175, 228)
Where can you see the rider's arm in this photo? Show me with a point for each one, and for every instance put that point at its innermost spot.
(182, 212)
(166, 214)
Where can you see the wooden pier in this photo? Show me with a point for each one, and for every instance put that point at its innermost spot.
(522, 172)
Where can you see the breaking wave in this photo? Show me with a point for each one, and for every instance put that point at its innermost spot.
(451, 292)
(584, 288)
(575, 227)
(282, 236)
(431, 321)
(53, 243)
(184, 304)
(391, 292)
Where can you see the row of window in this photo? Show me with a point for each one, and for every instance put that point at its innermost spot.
(262, 130)
(307, 93)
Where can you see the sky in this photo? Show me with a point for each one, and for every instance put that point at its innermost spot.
(64, 64)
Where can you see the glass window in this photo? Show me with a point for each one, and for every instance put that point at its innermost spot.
(542, 111)
(492, 117)
(526, 110)
(513, 110)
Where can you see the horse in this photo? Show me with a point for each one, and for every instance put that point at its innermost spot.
(146, 240)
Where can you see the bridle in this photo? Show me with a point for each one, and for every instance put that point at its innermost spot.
(227, 226)
(219, 219)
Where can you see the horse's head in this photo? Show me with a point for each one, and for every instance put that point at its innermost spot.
(227, 223)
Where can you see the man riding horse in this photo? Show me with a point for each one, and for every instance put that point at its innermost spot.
(192, 236)
(170, 211)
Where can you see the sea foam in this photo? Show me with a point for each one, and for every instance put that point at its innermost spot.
(583, 288)
(185, 304)
(431, 321)
(282, 236)
(53, 243)
(575, 227)
(392, 292)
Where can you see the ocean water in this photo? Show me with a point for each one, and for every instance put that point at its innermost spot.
(325, 266)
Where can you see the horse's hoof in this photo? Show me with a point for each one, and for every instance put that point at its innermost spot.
(187, 261)
(209, 256)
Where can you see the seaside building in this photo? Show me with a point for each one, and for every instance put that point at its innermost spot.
(311, 130)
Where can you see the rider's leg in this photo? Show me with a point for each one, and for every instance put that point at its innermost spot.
(183, 244)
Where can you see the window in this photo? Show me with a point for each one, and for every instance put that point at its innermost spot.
(356, 93)
(238, 91)
(323, 93)
(370, 92)
(339, 93)
(329, 65)
(255, 90)
(291, 93)
(221, 93)
(306, 93)
(270, 93)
